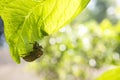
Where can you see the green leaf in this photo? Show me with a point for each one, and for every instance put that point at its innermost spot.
(113, 74)
(4, 3)
(27, 21)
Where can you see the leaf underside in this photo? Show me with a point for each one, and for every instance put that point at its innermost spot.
(113, 74)
(27, 21)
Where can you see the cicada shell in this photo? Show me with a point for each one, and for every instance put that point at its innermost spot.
(36, 53)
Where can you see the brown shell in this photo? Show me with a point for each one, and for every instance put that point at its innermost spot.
(36, 53)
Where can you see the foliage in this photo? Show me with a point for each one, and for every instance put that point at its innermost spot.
(77, 49)
(112, 74)
(27, 21)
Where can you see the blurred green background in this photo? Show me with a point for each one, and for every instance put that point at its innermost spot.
(82, 50)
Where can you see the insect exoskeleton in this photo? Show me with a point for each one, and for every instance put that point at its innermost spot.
(35, 53)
